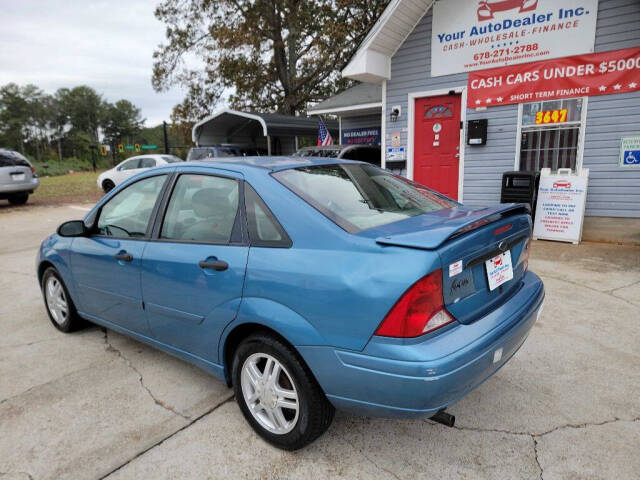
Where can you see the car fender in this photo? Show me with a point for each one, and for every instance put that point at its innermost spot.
(54, 250)
(290, 325)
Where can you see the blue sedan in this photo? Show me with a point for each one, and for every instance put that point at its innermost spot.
(307, 284)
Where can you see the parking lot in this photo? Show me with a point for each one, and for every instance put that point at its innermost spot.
(95, 404)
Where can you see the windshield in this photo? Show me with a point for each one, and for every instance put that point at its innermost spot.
(359, 197)
(319, 152)
(9, 158)
(199, 153)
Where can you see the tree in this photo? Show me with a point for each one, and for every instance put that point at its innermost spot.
(120, 120)
(23, 116)
(265, 54)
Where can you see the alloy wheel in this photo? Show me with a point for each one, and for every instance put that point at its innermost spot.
(56, 300)
(270, 394)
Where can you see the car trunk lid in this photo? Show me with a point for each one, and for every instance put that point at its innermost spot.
(465, 240)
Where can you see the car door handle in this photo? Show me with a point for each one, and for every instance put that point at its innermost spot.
(124, 257)
(218, 265)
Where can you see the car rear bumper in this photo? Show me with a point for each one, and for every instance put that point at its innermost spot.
(418, 377)
(18, 187)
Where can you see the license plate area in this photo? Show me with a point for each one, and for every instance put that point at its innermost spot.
(17, 176)
(499, 270)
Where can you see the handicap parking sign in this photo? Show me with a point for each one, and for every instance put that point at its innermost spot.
(631, 157)
(630, 152)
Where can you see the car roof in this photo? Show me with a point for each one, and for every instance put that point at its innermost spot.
(267, 163)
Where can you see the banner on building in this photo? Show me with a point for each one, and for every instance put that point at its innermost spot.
(616, 71)
(470, 35)
(361, 136)
(562, 198)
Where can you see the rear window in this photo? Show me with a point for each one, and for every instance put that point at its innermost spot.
(199, 153)
(359, 197)
(12, 159)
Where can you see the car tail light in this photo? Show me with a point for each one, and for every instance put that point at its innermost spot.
(33, 170)
(420, 310)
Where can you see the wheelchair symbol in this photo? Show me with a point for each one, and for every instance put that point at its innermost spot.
(631, 158)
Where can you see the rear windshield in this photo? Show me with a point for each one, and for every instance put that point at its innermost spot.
(171, 159)
(359, 197)
(320, 152)
(12, 159)
(199, 153)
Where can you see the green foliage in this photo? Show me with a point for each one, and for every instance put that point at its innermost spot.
(72, 164)
(272, 55)
(120, 120)
(69, 123)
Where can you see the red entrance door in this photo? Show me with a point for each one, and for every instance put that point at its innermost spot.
(436, 143)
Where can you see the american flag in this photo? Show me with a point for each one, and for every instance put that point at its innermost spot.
(324, 137)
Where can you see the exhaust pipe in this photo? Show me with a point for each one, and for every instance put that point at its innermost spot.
(444, 418)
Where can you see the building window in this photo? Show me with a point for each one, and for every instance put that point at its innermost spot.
(439, 111)
(550, 134)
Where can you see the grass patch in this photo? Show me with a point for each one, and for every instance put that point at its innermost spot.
(80, 186)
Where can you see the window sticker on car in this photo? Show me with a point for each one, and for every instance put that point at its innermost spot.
(455, 268)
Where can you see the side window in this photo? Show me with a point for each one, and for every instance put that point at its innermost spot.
(127, 214)
(147, 163)
(202, 209)
(264, 229)
(130, 164)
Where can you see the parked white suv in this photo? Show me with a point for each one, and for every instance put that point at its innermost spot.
(128, 168)
(18, 178)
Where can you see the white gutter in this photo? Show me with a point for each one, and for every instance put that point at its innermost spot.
(346, 108)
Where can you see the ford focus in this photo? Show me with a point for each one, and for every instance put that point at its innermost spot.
(306, 284)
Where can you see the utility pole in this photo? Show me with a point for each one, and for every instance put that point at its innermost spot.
(164, 134)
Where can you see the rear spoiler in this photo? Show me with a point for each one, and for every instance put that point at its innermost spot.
(435, 235)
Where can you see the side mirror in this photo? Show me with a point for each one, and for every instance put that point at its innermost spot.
(74, 228)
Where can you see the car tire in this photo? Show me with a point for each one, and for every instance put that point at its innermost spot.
(18, 198)
(108, 185)
(290, 429)
(60, 308)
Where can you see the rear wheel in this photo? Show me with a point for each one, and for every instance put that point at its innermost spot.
(18, 198)
(108, 185)
(277, 393)
(62, 312)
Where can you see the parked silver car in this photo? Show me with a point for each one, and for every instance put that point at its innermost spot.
(18, 178)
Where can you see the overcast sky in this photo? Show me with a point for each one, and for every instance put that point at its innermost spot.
(107, 45)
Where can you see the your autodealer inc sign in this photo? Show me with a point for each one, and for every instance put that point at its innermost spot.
(472, 35)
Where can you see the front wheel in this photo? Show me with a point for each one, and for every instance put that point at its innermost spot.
(108, 185)
(62, 312)
(277, 393)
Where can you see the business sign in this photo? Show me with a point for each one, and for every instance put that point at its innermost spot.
(469, 35)
(395, 154)
(361, 136)
(561, 202)
(604, 73)
(630, 152)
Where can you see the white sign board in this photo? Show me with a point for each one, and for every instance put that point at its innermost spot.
(561, 202)
(472, 35)
(630, 152)
(395, 154)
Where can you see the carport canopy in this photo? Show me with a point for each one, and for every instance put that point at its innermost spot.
(233, 126)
